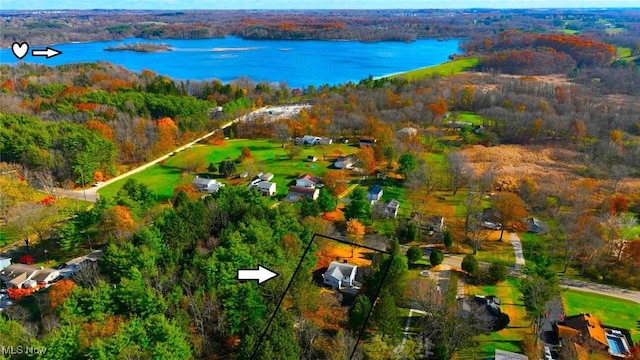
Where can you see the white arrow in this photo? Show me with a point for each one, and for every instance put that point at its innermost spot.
(49, 52)
(261, 274)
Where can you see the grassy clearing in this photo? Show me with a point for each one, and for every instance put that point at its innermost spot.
(266, 156)
(445, 69)
(609, 310)
(622, 52)
(569, 31)
(511, 337)
(468, 116)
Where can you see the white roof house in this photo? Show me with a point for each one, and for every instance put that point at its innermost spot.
(21, 275)
(391, 208)
(206, 185)
(346, 162)
(4, 262)
(266, 188)
(340, 275)
(266, 177)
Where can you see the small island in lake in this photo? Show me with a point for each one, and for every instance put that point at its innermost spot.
(140, 47)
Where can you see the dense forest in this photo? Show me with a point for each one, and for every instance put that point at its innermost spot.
(42, 27)
(166, 285)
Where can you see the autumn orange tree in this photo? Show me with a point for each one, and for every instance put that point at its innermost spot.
(336, 181)
(117, 221)
(356, 231)
(60, 291)
(367, 159)
(511, 209)
(167, 135)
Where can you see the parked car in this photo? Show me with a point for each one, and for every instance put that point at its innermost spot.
(547, 353)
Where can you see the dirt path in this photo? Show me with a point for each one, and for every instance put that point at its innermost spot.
(517, 248)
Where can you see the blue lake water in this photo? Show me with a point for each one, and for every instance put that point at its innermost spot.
(298, 63)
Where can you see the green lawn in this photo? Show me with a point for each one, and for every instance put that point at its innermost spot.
(570, 31)
(609, 310)
(444, 69)
(266, 156)
(468, 116)
(622, 52)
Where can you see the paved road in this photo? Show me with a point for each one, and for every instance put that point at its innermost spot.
(91, 194)
(601, 289)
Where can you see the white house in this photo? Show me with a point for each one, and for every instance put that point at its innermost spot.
(266, 177)
(310, 140)
(345, 162)
(299, 192)
(340, 275)
(266, 188)
(206, 185)
(391, 208)
(312, 158)
(308, 181)
(46, 276)
(375, 193)
(16, 275)
(4, 262)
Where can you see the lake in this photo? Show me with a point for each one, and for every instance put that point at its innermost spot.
(298, 63)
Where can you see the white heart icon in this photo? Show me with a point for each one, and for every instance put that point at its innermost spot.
(20, 50)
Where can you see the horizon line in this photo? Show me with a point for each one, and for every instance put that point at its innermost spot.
(347, 9)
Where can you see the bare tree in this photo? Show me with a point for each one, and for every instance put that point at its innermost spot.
(281, 132)
(458, 171)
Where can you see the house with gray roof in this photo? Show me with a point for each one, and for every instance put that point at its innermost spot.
(340, 275)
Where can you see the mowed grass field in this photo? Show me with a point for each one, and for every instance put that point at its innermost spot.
(266, 156)
(609, 310)
(444, 69)
(511, 337)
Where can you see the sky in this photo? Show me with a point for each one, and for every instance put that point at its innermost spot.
(307, 4)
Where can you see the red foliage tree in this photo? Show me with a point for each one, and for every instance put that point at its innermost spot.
(618, 205)
(26, 259)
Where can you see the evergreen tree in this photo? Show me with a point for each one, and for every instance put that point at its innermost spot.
(359, 311)
(360, 206)
(326, 201)
(385, 316)
(414, 254)
(436, 257)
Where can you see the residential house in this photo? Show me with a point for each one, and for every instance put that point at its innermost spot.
(588, 332)
(308, 140)
(19, 275)
(368, 142)
(300, 192)
(4, 262)
(428, 223)
(535, 226)
(308, 181)
(346, 162)
(266, 188)
(206, 185)
(407, 132)
(46, 276)
(340, 275)
(375, 193)
(266, 177)
(508, 355)
(391, 208)
(492, 219)
(325, 141)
